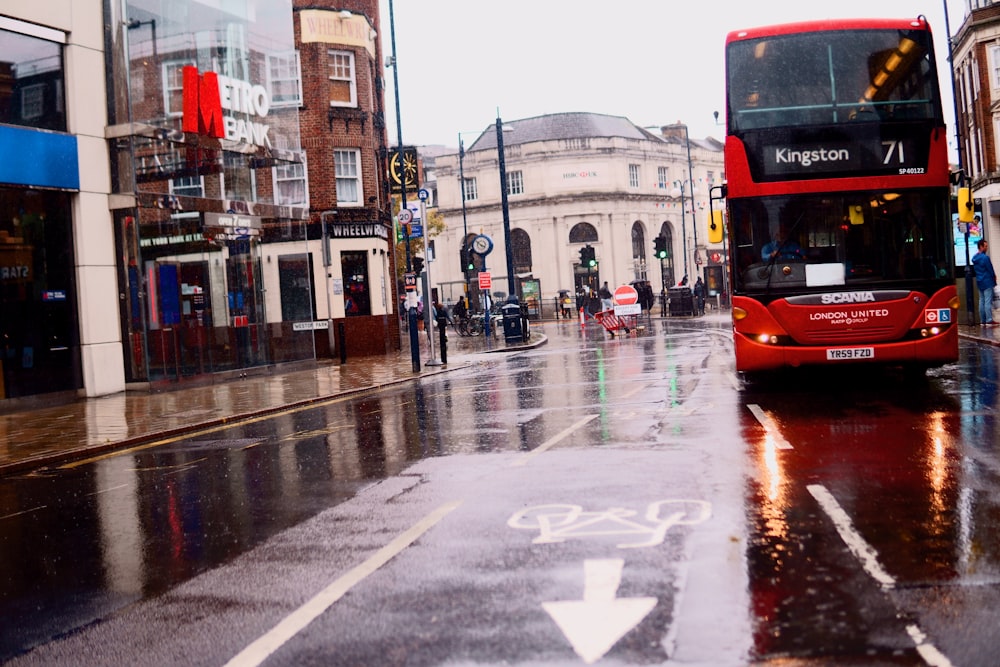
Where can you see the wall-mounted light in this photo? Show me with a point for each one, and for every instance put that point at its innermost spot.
(345, 13)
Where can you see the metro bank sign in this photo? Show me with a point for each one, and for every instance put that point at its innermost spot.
(208, 95)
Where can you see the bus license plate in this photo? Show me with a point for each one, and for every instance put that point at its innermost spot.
(849, 353)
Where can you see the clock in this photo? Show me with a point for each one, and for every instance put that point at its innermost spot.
(482, 245)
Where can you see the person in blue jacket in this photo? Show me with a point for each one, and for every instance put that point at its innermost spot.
(986, 280)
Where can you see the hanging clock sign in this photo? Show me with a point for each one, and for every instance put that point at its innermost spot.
(482, 245)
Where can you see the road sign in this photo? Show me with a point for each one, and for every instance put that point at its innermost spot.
(405, 216)
(625, 295)
(485, 280)
(423, 194)
(410, 282)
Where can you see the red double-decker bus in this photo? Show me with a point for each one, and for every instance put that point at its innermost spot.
(838, 198)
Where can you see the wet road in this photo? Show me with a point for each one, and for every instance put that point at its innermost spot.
(621, 501)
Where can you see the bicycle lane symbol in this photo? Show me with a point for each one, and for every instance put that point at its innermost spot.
(559, 522)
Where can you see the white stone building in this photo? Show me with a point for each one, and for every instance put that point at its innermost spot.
(573, 180)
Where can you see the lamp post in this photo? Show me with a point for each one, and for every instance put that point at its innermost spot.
(678, 191)
(411, 315)
(511, 288)
(461, 193)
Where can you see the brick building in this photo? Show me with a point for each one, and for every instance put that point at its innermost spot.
(342, 122)
(976, 63)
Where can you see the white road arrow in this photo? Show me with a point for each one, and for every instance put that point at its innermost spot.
(593, 625)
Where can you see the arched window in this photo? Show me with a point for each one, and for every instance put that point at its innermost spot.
(520, 246)
(583, 232)
(638, 251)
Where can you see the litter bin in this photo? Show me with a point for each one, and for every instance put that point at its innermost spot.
(513, 332)
(681, 301)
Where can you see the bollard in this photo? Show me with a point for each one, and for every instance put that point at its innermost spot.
(342, 342)
(443, 339)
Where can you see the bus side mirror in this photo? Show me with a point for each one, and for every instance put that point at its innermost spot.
(857, 214)
(715, 228)
(965, 210)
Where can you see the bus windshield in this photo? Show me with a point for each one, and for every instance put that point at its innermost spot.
(877, 238)
(831, 77)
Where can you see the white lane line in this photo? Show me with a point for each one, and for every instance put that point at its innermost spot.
(869, 561)
(769, 426)
(551, 442)
(259, 650)
(863, 551)
(931, 655)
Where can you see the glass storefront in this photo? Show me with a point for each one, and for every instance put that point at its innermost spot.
(207, 142)
(39, 346)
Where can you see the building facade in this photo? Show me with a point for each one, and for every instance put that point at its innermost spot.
(976, 63)
(342, 118)
(160, 218)
(58, 293)
(576, 180)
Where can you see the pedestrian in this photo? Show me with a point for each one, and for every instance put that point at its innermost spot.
(699, 296)
(986, 280)
(605, 294)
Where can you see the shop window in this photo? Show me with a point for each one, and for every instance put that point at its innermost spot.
(31, 77)
(357, 299)
(347, 165)
(284, 76)
(343, 87)
(295, 275)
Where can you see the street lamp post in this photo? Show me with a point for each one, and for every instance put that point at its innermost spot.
(511, 289)
(678, 191)
(461, 193)
(411, 317)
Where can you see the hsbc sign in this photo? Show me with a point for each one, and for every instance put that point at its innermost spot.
(208, 95)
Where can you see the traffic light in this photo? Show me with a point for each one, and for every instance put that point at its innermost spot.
(593, 260)
(587, 256)
(466, 259)
(660, 247)
(418, 264)
(965, 207)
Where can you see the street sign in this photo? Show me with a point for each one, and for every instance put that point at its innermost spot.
(485, 280)
(410, 282)
(405, 216)
(423, 194)
(625, 295)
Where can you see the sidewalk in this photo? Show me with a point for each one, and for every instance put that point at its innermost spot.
(47, 435)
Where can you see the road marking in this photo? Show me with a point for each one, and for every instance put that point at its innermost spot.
(264, 646)
(863, 551)
(931, 655)
(769, 426)
(594, 624)
(27, 511)
(557, 523)
(551, 442)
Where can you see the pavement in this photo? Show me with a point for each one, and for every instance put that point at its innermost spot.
(40, 436)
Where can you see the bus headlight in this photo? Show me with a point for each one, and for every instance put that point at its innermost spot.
(767, 339)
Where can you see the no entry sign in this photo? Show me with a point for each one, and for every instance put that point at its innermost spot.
(625, 295)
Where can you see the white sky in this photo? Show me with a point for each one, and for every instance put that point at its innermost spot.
(652, 61)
